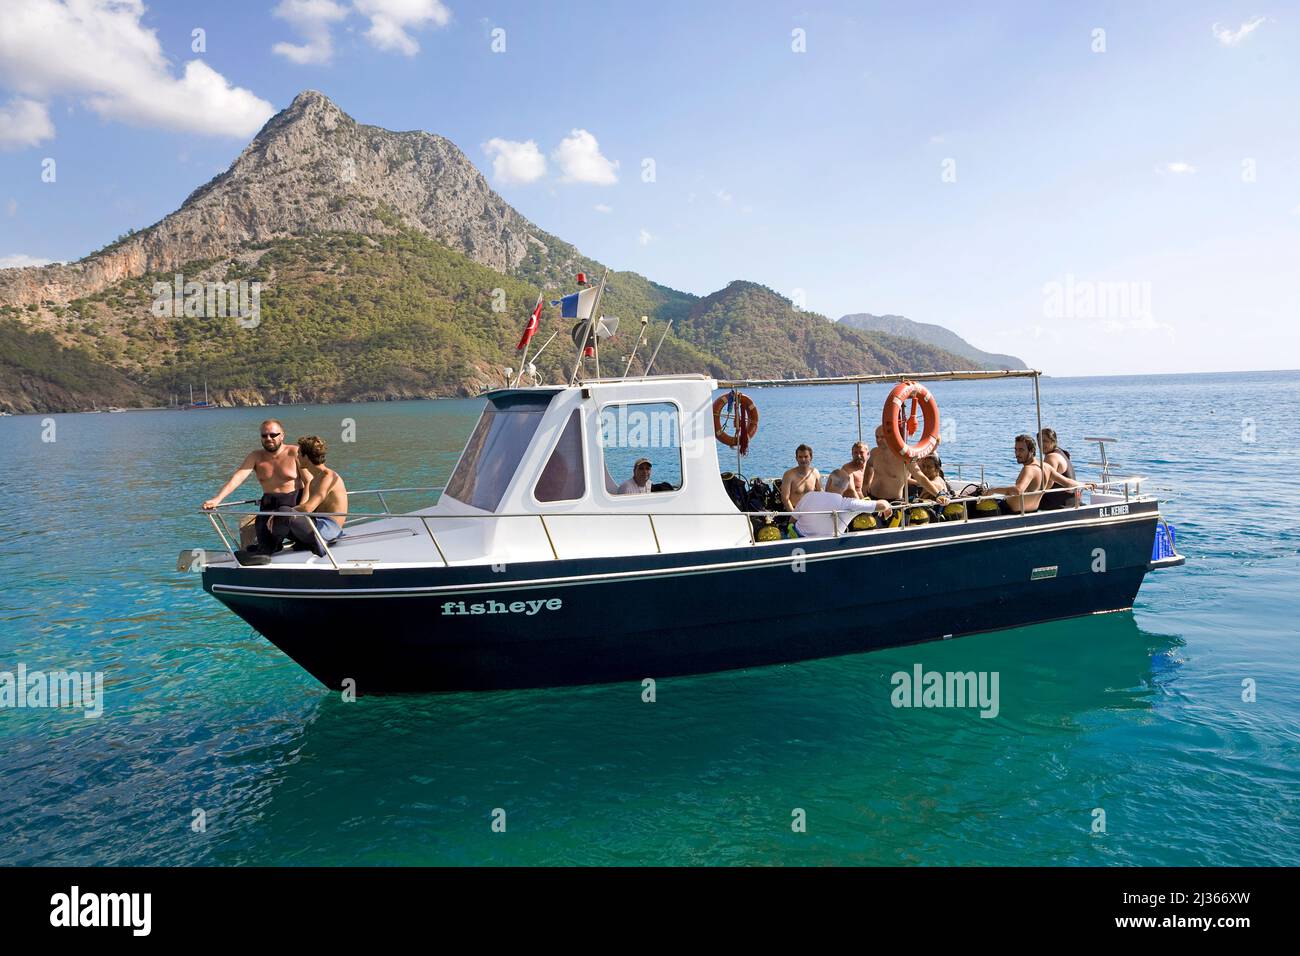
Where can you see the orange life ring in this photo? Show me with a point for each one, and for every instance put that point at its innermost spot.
(751, 417)
(892, 419)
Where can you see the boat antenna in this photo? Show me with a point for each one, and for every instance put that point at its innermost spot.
(1038, 438)
(640, 340)
(586, 328)
(650, 364)
(858, 403)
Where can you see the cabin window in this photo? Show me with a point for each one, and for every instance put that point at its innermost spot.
(649, 430)
(564, 477)
(499, 441)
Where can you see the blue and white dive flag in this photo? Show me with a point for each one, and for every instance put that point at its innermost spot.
(578, 305)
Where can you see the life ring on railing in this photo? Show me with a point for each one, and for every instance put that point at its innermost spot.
(745, 419)
(894, 420)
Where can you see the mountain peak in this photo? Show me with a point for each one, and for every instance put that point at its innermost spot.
(311, 169)
(309, 106)
(310, 110)
(308, 99)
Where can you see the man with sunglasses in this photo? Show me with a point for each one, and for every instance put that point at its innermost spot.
(276, 467)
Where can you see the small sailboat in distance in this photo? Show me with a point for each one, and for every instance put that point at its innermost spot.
(193, 405)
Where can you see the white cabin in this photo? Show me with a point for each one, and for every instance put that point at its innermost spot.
(540, 474)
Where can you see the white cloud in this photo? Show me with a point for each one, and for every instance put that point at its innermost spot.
(723, 195)
(24, 123)
(99, 50)
(580, 161)
(644, 238)
(390, 19)
(1235, 37)
(515, 163)
(11, 207)
(20, 261)
(1294, 212)
(312, 19)
(1177, 168)
(602, 207)
(936, 139)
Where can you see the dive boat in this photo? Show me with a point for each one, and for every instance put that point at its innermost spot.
(531, 569)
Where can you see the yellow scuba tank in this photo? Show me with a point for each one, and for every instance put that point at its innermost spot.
(863, 522)
(954, 512)
(769, 532)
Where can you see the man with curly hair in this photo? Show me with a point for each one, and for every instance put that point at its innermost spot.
(324, 491)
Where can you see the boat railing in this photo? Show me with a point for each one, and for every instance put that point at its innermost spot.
(1130, 488)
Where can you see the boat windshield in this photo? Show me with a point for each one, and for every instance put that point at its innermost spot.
(493, 453)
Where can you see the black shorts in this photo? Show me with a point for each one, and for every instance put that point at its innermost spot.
(1056, 499)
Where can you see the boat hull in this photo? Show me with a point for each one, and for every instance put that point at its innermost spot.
(583, 621)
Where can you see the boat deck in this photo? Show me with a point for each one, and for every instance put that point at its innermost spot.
(431, 538)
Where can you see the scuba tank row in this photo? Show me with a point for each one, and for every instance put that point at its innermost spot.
(759, 495)
(927, 513)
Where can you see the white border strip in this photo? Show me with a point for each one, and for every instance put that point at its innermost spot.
(485, 587)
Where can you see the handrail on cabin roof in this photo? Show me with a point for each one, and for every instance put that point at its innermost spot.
(953, 376)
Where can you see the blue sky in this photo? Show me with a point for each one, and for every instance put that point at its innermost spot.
(1097, 203)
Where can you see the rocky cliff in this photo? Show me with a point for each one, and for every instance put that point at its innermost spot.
(313, 168)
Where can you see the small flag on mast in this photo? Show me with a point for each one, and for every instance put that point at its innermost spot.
(578, 305)
(531, 327)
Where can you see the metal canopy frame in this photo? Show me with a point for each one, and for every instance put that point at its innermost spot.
(860, 380)
(956, 376)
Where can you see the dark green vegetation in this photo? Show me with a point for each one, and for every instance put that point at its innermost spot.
(752, 331)
(346, 316)
(39, 374)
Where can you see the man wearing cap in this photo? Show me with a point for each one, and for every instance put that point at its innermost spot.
(639, 483)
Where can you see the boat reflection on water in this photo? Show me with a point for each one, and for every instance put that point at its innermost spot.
(578, 759)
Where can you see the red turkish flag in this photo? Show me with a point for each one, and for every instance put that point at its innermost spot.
(531, 327)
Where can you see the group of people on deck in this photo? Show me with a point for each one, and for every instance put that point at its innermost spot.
(294, 480)
(313, 497)
(879, 479)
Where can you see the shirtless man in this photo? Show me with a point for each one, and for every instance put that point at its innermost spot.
(276, 467)
(847, 479)
(886, 472)
(1033, 478)
(800, 479)
(323, 490)
(1019, 499)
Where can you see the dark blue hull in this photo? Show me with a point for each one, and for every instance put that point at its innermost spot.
(553, 623)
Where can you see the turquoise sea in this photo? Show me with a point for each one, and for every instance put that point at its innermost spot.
(1140, 715)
